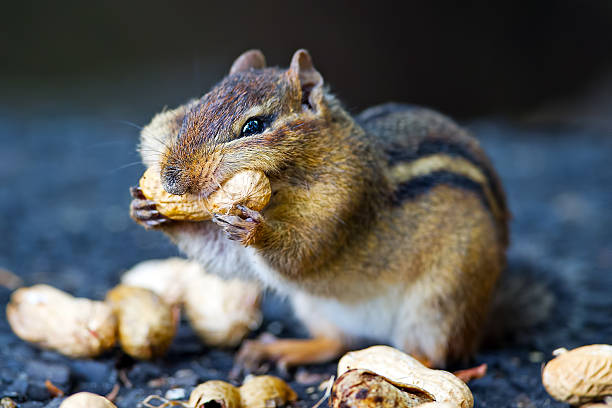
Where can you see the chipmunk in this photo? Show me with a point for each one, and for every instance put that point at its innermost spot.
(388, 227)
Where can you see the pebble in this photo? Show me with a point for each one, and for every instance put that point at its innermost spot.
(93, 371)
(275, 327)
(37, 391)
(32, 404)
(144, 371)
(175, 394)
(184, 378)
(536, 356)
(19, 387)
(55, 403)
(58, 374)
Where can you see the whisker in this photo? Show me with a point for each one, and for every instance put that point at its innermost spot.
(125, 166)
(158, 140)
(127, 122)
(150, 150)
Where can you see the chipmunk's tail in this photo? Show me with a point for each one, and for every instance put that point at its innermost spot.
(524, 301)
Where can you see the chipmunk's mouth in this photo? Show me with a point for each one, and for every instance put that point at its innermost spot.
(209, 183)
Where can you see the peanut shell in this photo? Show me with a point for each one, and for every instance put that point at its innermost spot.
(53, 319)
(402, 370)
(220, 392)
(581, 375)
(265, 391)
(147, 324)
(248, 187)
(86, 400)
(365, 389)
(165, 277)
(222, 312)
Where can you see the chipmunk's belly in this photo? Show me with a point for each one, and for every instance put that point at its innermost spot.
(207, 244)
(373, 319)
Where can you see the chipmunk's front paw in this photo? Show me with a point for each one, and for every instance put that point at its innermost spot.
(242, 228)
(144, 212)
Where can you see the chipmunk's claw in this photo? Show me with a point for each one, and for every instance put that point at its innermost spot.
(247, 213)
(253, 357)
(242, 229)
(144, 211)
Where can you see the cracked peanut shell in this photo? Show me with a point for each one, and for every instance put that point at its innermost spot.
(365, 389)
(248, 187)
(215, 393)
(402, 370)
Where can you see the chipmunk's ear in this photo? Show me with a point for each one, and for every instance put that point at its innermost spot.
(247, 60)
(303, 74)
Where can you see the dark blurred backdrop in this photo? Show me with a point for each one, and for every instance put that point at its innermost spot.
(465, 58)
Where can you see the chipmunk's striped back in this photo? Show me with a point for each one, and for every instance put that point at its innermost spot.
(425, 149)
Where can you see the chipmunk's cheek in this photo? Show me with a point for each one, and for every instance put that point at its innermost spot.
(208, 177)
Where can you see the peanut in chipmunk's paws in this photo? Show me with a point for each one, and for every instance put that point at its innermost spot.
(144, 211)
(242, 228)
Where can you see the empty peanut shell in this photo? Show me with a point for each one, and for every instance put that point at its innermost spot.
(221, 393)
(365, 389)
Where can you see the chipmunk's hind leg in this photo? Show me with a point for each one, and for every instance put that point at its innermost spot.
(287, 352)
(327, 342)
(442, 312)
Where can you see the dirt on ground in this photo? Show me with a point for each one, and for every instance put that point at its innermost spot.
(64, 180)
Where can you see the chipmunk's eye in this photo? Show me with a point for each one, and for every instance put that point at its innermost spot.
(253, 126)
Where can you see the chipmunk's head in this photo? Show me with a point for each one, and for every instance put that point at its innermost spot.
(256, 118)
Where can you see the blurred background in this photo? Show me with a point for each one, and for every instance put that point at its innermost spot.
(533, 81)
(468, 60)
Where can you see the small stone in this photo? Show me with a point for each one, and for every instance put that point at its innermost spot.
(144, 371)
(303, 376)
(37, 391)
(18, 387)
(58, 374)
(536, 357)
(157, 382)
(275, 327)
(32, 404)
(9, 280)
(310, 390)
(184, 378)
(93, 371)
(55, 403)
(175, 394)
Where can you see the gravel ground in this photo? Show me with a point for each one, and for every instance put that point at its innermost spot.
(64, 199)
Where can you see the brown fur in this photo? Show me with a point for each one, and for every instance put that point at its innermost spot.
(344, 222)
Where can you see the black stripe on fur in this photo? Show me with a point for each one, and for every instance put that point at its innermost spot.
(417, 186)
(432, 147)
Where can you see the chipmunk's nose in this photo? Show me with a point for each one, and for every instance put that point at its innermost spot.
(172, 181)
